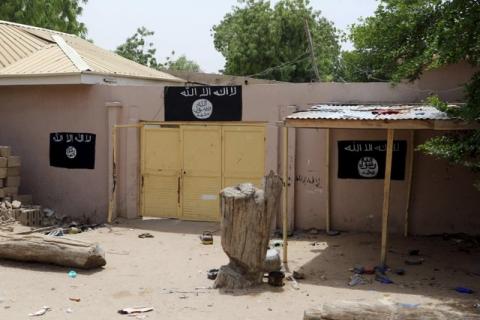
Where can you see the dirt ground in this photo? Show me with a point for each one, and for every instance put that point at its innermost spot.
(168, 273)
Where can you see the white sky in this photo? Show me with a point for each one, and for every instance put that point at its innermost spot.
(185, 25)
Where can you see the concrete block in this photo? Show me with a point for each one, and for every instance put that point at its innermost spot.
(25, 199)
(10, 191)
(12, 172)
(13, 161)
(3, 162)
(13, 181)
(5, 151)
(3, 173)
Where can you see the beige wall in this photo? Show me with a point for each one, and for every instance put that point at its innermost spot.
(443, 197)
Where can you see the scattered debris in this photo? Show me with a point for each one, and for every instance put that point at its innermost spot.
(72, 274)
(414, 262)
(294, 282)
(464, 290)
(358, 269)
(382, 278)
(356, 279)
(399, 271)
(298, 275)
(409, 305)
(133, 310)
(314, 231)
(212, 274)
(333, 233)
(145, 235)
(56, 233)
(68, 310)
(40, 312)
(275, 278)
(74, 299)
(381, 269)
(206, 237)
(414, 252)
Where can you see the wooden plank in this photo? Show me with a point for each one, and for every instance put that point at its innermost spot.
(327, 181)
(382, 124)
(386, 194)
(285, 194)
(409, 180)
(113, 195)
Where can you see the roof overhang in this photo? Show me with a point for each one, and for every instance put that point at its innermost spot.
(86, 78)
(452, 124)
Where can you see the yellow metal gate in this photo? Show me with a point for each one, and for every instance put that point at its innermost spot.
(185, 166)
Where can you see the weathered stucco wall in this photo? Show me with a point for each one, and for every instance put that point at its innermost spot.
(28, 115)
(443, 199)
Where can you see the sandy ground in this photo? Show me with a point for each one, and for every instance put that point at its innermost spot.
(168, 272)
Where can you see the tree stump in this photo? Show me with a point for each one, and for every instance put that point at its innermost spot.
(247, 214)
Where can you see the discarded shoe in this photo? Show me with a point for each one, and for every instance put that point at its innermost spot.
(206, 237)
(212, 274)
(145, 235)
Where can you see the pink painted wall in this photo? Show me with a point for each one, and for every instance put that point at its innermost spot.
(443, 197)
(28, 115)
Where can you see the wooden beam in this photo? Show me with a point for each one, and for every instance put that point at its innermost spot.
(327, 180)
(285, 194)
(386, 195)
(382, 124)
(409, 180)
(113, 195)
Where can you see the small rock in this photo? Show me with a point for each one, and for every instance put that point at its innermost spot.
(16, 204)
(298, 275)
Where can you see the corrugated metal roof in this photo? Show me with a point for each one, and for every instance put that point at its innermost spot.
(370, 112)
(27, 50)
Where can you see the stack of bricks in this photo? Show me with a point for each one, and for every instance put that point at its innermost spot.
(9, 174)
(11, 203)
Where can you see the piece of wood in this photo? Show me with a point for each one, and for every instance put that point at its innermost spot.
(113, 195)
(327, 180)
(247, 214)
(285, 195)
(386, 195)
(352, 310)
(59, 251)
(409, 181)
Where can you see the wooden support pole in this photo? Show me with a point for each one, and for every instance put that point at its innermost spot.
(409, 180)
(285, 194)
(386, 194)
(113, 195)
(327, 180)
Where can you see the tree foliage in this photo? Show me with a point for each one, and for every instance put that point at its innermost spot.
(257, 39)
(406, 37)
(60, 15)
(137, 48)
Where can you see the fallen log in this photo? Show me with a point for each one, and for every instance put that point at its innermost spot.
(63, 251)
(363, 311)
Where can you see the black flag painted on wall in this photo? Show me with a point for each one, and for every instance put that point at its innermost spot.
(366, 159)
(203, 103)
(72, 150)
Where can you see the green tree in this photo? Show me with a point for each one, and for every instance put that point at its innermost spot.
(259, 40)
(406, 37)
(60, 15)
(137, 48)
(181, 63)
